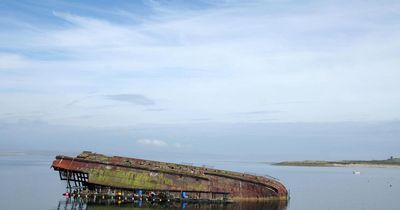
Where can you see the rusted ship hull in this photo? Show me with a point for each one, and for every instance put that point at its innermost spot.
(92, 172)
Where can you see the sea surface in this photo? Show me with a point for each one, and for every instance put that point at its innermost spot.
(28, 182)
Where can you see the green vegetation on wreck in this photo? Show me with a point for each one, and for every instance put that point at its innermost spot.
(138, 180)
(318, 163)
(101, 177)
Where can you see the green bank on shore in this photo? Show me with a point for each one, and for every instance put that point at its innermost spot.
(391, 162)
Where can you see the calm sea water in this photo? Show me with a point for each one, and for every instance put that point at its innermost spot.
(28, 182)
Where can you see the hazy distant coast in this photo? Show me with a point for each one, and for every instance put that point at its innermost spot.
(389, 163)
(6, 153)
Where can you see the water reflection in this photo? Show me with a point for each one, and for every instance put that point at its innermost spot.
(82, 204)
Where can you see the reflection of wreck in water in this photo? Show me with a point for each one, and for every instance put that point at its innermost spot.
(91, 204)
(92, 175)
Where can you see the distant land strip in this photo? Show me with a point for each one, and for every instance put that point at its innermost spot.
(391, 162)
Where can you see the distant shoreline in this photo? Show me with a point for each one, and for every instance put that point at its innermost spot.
(389, 163)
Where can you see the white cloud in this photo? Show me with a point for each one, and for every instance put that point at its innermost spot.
(132, 98)
(152, 142)
(207, 63)
(160, 143)
(178, 145)
(10, 61)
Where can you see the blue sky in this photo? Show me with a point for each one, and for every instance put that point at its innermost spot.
(249, 66)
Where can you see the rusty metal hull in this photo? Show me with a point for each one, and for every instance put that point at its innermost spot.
(90, 169)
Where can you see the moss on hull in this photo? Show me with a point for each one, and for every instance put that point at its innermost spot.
(140, 180)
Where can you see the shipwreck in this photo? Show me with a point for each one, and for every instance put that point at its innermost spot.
(96, 175)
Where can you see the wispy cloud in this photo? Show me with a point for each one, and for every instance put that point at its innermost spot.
(10, 61)
(159, 143)
(261, 112)
(132, 98)
(152, 142)
(286, 103)
(76, 101)
(155, 110)
(201, 119)
(202, 60)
